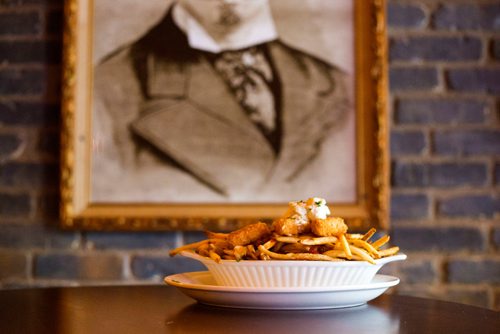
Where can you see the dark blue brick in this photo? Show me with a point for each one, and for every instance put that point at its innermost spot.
(439, 238)
(453, 174)
(485, 80)
(403, 79)
(29, 113)
(16, 52)
(411, 206)
(425, 111)
(418, 272)
(18, 205)
(19, 82)
(469, 206)
(439, 175)
(431, 48)
(407, 142)
(154, 267)
(8, 145)
(476, 272)
(29, 175)
(409, 175)
(73, 266)
(19, 23)
(36, 236)
(405, 15)
(467, 143)
(130, 240)
(467, 17)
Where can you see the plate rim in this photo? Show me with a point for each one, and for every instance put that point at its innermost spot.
(171, 280)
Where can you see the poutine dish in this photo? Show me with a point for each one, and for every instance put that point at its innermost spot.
(306, 247)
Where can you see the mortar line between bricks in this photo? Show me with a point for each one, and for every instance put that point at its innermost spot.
(126, 263)
(435, 34)
(434, 4)
(445, 222)
(443, 65)
(449, 127)
(476, 96)
(41, 67)
(37, 159)
(23, 9)
(31, 38)
(450, 192)
(26, 99)
(445, 160)
(30, 265)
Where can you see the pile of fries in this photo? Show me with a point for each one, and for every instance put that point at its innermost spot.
(260, 241)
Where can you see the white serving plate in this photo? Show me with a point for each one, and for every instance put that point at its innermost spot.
(202, 287)
(291, 274)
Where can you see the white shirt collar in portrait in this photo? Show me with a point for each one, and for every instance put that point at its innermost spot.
(258, 29)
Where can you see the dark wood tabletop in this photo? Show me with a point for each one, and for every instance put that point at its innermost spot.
(164, 309)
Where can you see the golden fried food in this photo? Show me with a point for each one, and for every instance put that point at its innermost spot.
(304, 232)
(300, 215)
(330, 226)
(291, 226)
(248, 234)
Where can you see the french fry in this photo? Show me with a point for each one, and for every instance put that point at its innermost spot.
(269, 244)
(318, 241)
(295, 248)
(252, 253)
(345, 246)
(286, 239)
(368, 234)
(239, 252)
(365, 245)
(340, 254)
(350, 236)
(380, 242)
(277, 246)
(335, 253)
(389, 251)
(193, 245)
(215, 235)
(220, 243)
(229, 252)
(362, 253)
(203, 252)
(296, 256)
(214, 256)
(264, 256)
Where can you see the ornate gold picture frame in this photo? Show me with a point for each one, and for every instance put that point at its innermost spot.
(215, 189)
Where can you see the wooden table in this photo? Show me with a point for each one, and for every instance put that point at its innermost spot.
(163, 309)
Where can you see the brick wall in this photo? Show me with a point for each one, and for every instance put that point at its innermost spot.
(445, 146)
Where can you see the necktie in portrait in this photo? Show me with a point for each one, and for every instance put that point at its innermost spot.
(249, 75)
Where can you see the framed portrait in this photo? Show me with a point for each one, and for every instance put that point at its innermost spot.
(210, 114)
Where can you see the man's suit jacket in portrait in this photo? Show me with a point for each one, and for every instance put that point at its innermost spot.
(167, 127)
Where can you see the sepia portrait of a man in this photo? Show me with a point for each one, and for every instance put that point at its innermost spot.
(238, 101)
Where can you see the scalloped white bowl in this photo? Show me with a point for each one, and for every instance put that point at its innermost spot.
(291, 274)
